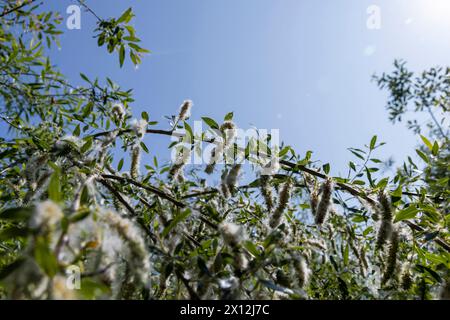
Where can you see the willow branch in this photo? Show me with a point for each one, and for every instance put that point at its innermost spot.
(151, 189)
(117, 194)
(293, 166)
(16, 8)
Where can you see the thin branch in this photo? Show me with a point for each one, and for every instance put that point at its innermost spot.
(439, 241)
(90, 10)
(441, 131)
(151, 189)
(117, 195)
(16, 8)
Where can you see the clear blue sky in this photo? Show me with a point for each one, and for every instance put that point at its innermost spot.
(303, 66)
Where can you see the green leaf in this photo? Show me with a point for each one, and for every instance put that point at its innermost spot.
(180, 217)
(190, 133)
(126, 16)
(359, 218)
(87, 110)
(120, 165)
(210, 122)
(82, 214)
(77, 131)
(373, 142)
(326, 168)
(229, 116)
(382, 183)
(423, 156)
(45, 257)
(346, 254)
(54, 187)
(406, 214)
(87, 145)
(16, 214)
(284, 151)
(83, 76)
(144, 115)
(357, 154)
(427, 142)
(435, 149)
(122, 55)
(250, 246)
(144, 147)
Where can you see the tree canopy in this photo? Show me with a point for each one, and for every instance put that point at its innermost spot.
(71, 212)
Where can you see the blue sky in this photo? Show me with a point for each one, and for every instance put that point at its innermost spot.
(301, 66)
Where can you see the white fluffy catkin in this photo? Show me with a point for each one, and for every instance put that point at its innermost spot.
(118, 111)
(232, 234)
(185, 110)
(386, 227)
(391, 258)
(216, 154)
(325, 201)
(283, 202)
(46, 215)
(183, 156)
(232, 178)
(223, 185)
(228, 129)
(266, 191)
(302, 271)
(139, 127)
(135, 161)
(139, 257)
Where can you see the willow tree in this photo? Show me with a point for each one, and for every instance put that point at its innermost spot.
(75, 223)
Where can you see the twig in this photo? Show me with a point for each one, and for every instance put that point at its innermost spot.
(16, 8)
(117, 195)
(90, 10)
(151, 189)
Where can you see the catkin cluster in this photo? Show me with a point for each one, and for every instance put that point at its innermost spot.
(139, 128)
(302, 270)
(183, 156)
(321, 207)
(283, 202)
(386, 227)
(228, 130)
(139, 258)
(230, 178)
(185, 110)
(266, 191)
(391, 262)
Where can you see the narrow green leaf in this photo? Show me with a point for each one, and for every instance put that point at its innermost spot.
(427, 142)
(423, 156)
(373, 142)
(144, 115)
(120, 165)
(210, 122)
(122, 55)
(54, 187)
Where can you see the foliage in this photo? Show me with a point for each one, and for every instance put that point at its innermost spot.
(162, 233)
